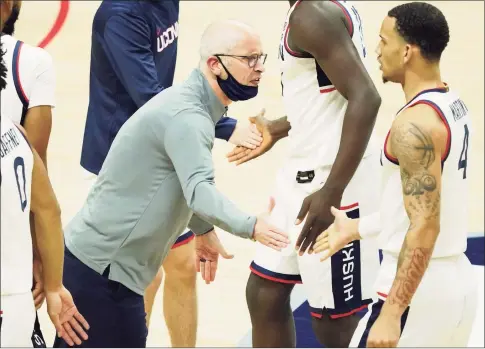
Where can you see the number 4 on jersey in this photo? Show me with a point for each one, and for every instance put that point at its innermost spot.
(462, 163)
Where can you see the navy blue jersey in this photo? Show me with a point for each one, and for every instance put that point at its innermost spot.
(133, 56)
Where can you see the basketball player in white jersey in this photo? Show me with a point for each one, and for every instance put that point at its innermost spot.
(25, 187)
(28, 100)
(30, 94)
(331, 105)
(426, 294)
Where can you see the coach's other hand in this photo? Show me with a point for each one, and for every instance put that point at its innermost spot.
(343, 231)
(316, 209)
(64, 315)
(269, 235)
(207, 251)
(241, 154)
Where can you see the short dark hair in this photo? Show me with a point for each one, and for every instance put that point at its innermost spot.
(423, 25)
(9, 25)
(3, 69)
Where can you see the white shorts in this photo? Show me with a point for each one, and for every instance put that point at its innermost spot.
(182, 239)
(343, 284)
(442, 311)
(18, 318)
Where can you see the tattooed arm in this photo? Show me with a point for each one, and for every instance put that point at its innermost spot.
(418, 139)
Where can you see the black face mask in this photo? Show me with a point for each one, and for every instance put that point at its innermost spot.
(9, 27)
(234, 90)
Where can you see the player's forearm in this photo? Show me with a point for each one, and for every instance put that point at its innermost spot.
(413, 261)
(213, 207)
(279, 128)
(357, 129)
(50, 243)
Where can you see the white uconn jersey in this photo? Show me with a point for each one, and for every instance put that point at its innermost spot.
(14, 93)
(30, 79)
(315, 109)
(452, 239)
(16, 179)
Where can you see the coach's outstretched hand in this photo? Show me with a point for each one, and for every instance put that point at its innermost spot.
(207, 250)
(241, 154)
(343, 231)
(66, 318)
(269, 235)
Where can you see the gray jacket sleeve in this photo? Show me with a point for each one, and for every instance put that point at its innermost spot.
(188, 142)
(199, 226)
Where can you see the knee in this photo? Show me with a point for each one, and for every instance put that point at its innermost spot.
(267, 297)
(335, 333)
(180, 264)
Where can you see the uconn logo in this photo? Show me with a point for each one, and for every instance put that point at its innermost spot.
(167, 37)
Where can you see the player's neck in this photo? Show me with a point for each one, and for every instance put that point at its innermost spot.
(419, 80)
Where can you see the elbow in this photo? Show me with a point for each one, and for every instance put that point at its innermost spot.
(365, 102)
(372, 99)
(426, 232)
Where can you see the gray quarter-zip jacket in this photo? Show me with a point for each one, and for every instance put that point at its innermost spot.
(157, 179)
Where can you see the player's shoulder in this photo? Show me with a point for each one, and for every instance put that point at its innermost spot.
(35, 55)
(312, 20)
(419, 119)
(325, 13)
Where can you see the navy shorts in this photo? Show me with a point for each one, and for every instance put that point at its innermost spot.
(116, 315)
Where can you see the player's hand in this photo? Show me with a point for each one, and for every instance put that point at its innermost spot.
(241, 154)
(343, 231)
(269, 235)
(248, 136)
(67, 320)
(316, 209)
(38, 291)
(207, 251)
(385, 332)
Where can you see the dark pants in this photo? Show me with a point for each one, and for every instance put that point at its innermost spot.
(116, 315)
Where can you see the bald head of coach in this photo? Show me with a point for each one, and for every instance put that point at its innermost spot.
(232, 60)
(157, 179)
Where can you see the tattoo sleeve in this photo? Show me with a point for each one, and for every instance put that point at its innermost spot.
(420, 166)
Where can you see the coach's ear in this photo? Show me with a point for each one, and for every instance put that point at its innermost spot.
(214, 65)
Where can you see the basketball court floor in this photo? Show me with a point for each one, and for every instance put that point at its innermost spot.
(64, 28)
